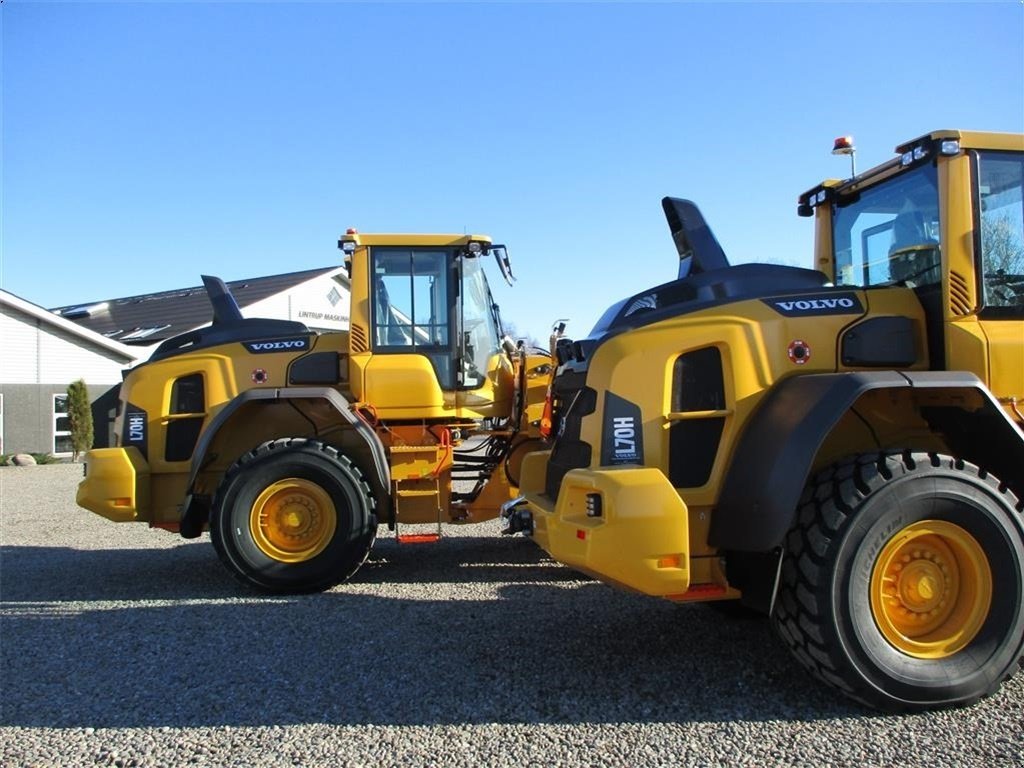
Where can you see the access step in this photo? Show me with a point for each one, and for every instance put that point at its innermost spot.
(418, 538)
(704, 592)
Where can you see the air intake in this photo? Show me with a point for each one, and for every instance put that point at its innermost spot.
(358, 339)
(959, 295)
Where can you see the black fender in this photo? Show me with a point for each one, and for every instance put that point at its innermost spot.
(776, 451)
(195, 510)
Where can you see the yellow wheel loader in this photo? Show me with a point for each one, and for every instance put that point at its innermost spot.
(290, 446)
(840, 448)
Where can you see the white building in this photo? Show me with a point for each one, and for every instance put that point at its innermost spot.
(319, 298)
(42, 354)
(44, 351)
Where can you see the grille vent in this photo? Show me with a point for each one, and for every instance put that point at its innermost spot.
(959, 294)
(358, 338)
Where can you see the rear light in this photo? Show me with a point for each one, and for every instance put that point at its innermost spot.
(595, 507)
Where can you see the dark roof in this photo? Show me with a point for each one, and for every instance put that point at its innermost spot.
(152, 317)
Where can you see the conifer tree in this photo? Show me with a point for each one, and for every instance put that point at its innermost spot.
(79, 417)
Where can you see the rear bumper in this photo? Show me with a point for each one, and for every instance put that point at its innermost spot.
(639, 541)
(116, 484)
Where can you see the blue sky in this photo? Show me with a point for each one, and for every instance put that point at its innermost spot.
(144, 144)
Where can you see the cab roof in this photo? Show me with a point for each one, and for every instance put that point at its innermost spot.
(930, 143)
(405, 239)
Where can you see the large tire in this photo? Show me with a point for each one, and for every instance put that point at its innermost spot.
(293, 516)
(902, 582)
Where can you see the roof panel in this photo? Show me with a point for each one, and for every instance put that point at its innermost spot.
(179, 310)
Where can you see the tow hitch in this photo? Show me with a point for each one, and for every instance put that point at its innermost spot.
(517, 517)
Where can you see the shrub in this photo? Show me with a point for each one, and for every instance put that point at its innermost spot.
(79, 418)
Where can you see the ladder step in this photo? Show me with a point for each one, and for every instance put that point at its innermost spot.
(418, 538)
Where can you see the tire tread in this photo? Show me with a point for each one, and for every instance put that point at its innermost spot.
(356, 556)
(827, 506)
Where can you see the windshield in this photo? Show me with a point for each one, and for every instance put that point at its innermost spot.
(889, 233)
(480, 332)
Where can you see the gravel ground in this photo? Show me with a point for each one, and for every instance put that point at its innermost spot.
(124, 646)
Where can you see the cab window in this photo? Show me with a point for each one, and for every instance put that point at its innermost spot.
(411, 306)
(410, 298)
(889, 234)
(999, 231)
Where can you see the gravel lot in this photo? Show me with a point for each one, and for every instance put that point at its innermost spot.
(125, 646)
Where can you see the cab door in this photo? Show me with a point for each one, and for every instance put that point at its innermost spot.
(411, 316)
(999, 256)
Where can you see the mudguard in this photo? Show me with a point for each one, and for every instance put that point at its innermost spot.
(775, 454)
(195, 508)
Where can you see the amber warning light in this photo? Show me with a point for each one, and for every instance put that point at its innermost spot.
(844, 146)
(348, 246)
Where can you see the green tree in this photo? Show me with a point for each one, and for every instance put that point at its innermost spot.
(79, 417)
(512, 332)
(1002, 246)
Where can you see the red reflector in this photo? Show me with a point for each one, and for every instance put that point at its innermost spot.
(581, 534)
(545, 419)
(418, 538)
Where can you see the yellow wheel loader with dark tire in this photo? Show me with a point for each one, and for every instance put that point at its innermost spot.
(290, 446)
(839, 448)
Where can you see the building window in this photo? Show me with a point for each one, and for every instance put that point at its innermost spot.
(61, 426)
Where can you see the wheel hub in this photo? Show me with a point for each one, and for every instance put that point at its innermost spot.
(931, 588)
(292, 520)
(918, 586)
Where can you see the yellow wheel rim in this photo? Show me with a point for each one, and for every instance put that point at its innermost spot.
(931, 588)
(293, 520)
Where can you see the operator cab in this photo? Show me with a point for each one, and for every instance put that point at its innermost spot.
(886, 226)
(428, 312)
(944, 218)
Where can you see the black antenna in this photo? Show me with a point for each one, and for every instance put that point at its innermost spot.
(225, 308)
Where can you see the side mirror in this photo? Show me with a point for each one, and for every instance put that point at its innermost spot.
(504, 265)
